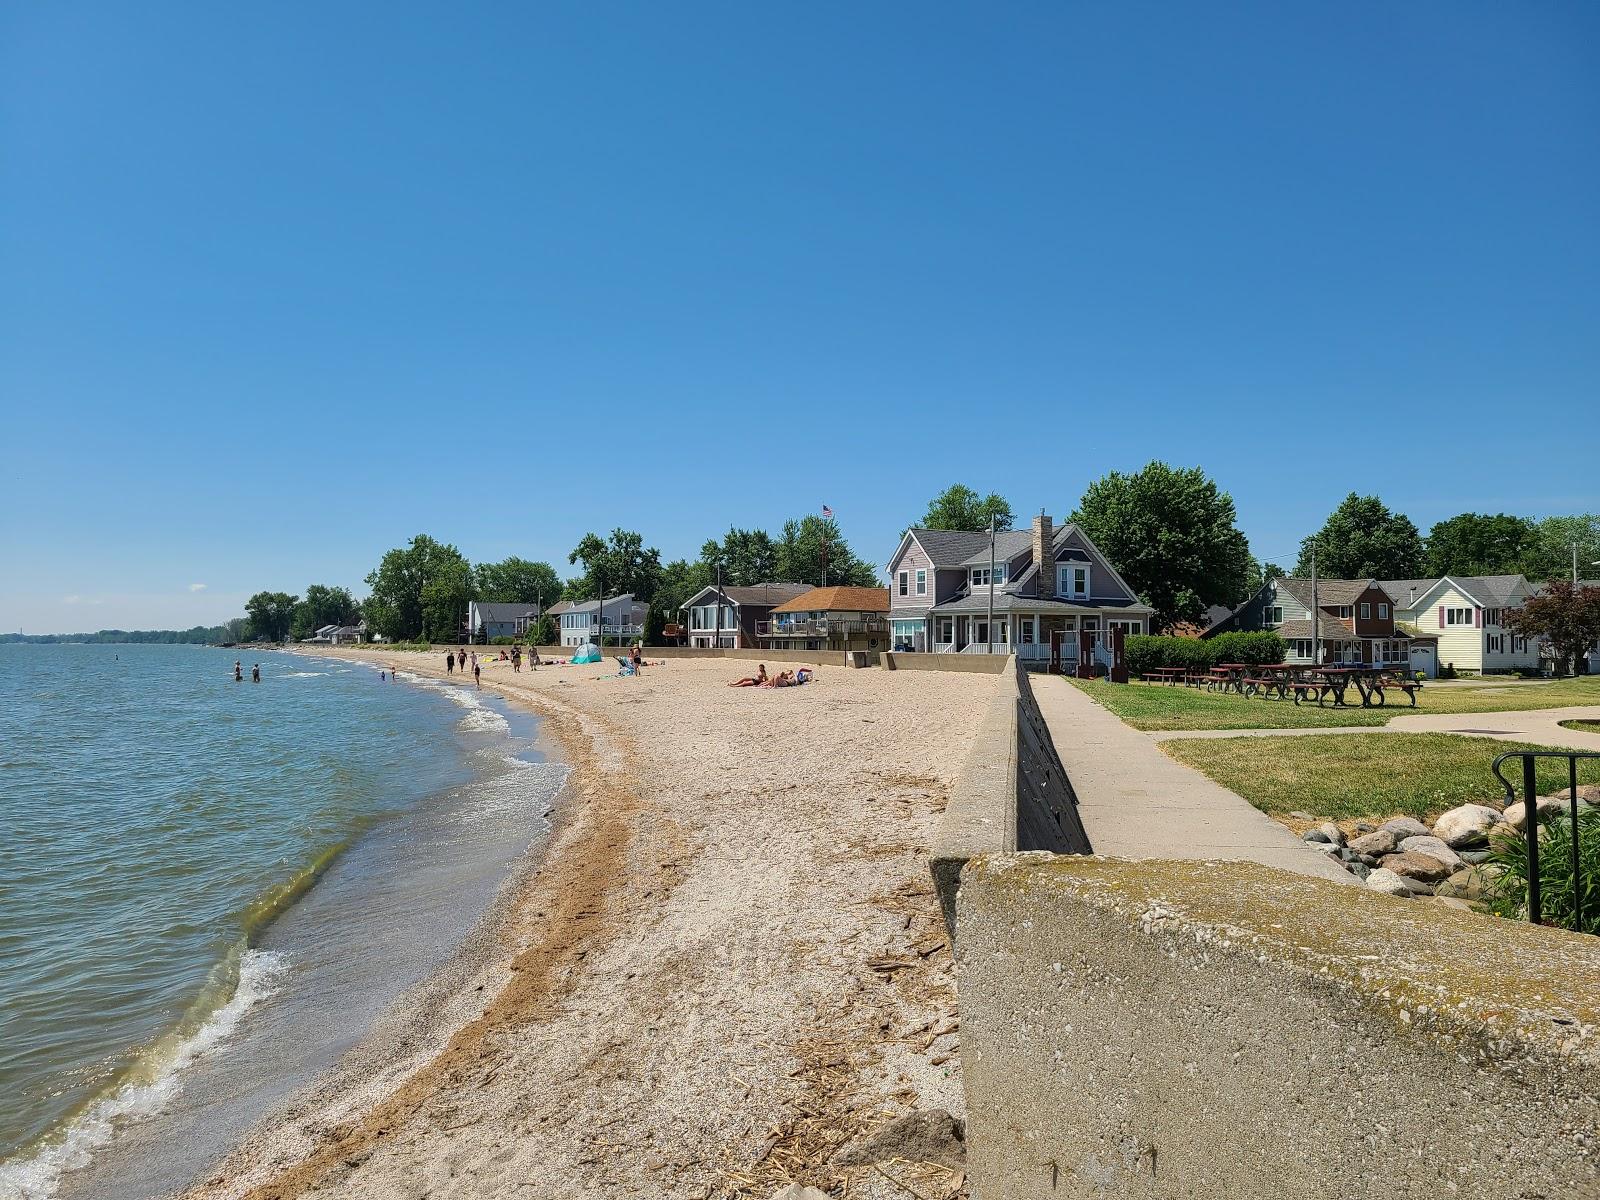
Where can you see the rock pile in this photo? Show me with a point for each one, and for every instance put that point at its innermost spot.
(1403, 857)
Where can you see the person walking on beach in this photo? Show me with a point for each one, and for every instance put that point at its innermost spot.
(516, 659)
(477, 673)
(450, 663)
(255, 673)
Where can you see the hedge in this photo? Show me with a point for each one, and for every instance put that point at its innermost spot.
(1146, 652)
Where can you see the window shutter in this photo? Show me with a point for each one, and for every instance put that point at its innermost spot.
(1477, 617)
(1441, 616)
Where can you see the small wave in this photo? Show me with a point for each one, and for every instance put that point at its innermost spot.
(302, 674)
(153, 1079)
(484, 720)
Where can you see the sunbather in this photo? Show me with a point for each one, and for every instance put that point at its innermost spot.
(759, 679)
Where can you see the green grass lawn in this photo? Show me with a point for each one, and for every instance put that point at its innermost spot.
(1157, 706)
(1350, 775)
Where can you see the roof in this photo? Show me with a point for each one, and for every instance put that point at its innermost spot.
(612, 602)
(759, 595)
(950, 547)
(494, 610)
(1331, 631)
(1329, 591)
(1491, 591)
(559, 607)
(839, 599)
(1007, 545)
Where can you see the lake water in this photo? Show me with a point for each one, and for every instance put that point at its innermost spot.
(210, 890)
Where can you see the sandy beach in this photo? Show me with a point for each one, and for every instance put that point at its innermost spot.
(727, 962)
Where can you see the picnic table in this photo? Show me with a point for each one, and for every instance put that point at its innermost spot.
(1370, 684)
(1172, 676)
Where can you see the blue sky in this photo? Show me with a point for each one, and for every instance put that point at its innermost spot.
(282, 286)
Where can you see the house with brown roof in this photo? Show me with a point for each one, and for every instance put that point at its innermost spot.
(743, 610)
(1355, 622)
(830, 618)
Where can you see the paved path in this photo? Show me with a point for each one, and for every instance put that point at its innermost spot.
(1541, 726)
(1138, 803)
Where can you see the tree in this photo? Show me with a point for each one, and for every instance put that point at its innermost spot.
(1551, 555)
(680, 579)
(323, 605)
(1260, 574)
(1362, 539)
(621, 564)
(1479, 544)
(546, 633)
(959, 507)
(1568, 617)
(800, 556)
(411, 584)
(270, 615)
(1172, 534)
(654, 623)
(748, 557)
(517, 581)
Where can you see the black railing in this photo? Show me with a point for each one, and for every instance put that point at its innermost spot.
(1530, 827)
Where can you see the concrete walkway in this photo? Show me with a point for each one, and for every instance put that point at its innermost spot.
(1138, 803)
(1541, 726)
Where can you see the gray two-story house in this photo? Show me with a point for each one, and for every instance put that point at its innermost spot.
(1047, 580)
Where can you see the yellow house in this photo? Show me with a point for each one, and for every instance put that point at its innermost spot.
(1467, 614)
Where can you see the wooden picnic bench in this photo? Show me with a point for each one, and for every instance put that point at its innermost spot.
(1409, 686)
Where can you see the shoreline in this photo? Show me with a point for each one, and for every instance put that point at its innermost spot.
(441, 1021)
(687, 992)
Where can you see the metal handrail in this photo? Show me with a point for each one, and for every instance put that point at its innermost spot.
(1530, 809)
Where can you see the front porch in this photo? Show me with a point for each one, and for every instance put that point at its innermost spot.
(1027, 635)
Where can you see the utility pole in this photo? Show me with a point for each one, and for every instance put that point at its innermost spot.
(1316, 614)
(990, 626)
(600, 617)
(716, 641)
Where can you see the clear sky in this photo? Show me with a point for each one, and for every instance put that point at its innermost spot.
(282, 285)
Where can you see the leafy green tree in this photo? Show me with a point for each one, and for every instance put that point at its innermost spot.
(411, 583)
(1566, 616)
(680, 580)
(1362, 539)
(1172, 534)
(801, 557)
(654, 622)
(1480, 544)
(517, 581)
(959, 507)
(623, 564)
(748, 556)
(1551, 556)
(271, 614)
(546, 633)
(323, 605)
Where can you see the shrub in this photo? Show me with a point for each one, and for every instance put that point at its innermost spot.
(1252, 648)
(1509, 895)
(503, 641)
(1145, 651)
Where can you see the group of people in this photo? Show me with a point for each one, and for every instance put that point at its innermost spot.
(238, 672)
(782, 679)
(453, 660)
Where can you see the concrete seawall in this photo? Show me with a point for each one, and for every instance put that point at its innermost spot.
(980, 664)
(1229, 1031)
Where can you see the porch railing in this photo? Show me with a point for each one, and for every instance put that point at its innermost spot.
(822, 627)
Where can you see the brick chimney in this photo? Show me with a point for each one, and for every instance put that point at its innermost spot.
(1044, 555)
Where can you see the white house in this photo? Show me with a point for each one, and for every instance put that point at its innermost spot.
(1467, 614)
(489, 619)
(582, 621)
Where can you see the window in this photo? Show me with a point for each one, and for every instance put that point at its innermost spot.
(1495, 642)
(1071, 580)
(1491, 616)
(1383, 611)
(1272, 615)
(1458, 616)
(1300, 647)
(1366, 610)
(980, 575)
(1342, 611)
(922, 581)
(905, 583)
(947, 630)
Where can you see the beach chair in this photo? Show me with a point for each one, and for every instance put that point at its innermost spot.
(624, 667)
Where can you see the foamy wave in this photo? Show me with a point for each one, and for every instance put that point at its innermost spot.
(152, 1083)
(301, 674)
(484, 720)
(515, 796)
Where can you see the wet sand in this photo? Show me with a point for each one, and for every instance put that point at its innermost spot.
(728, 961)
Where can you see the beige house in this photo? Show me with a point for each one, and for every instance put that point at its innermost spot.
(829, 618)
(1467, 613)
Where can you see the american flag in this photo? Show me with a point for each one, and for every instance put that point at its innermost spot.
(826, 511)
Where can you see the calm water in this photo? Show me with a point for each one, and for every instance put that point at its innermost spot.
(210, 890)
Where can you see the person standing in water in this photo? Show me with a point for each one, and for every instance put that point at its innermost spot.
(255, 673)
(238, 671)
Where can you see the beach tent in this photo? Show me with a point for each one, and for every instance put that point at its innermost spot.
(586, 654)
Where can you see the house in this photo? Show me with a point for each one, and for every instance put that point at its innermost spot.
(1048, 580)
(342, 634)
(1465, 613)
(581, 621)
(829, 618)
(1356, 622)
(744, 610)
(489, 619)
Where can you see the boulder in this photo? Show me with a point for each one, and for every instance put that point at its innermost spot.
(1387, 882)
(1469, 883)
(1381, 841)
(1516, 814)
(1433, 848)
(928, 1135)
(1423, 868)
(1586, 791)
(1404, 827)
(1317, 837)
(1332, 833)
(1466, 826)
